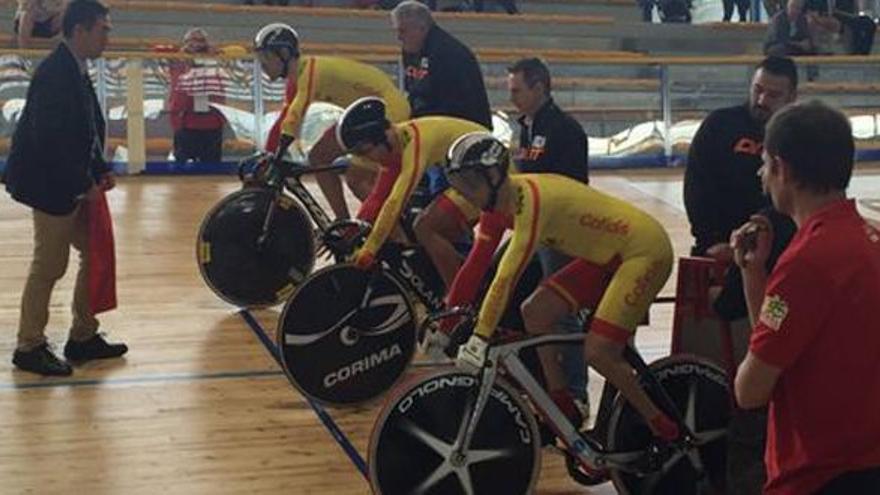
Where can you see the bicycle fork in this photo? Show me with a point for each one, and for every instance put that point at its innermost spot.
(473, 411)
(267, 223)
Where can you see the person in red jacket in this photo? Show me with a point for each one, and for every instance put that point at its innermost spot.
(195, 84)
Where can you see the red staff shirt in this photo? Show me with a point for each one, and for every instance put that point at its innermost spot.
(819, 324)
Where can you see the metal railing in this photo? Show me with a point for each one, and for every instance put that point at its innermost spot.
(638, 110)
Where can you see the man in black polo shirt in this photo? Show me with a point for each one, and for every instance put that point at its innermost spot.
(721, 192)
(550, 141)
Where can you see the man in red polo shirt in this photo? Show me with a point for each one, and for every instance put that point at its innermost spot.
(814, 354)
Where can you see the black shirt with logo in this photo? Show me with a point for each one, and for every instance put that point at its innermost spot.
(721, 184)
(554, 142)
(445, 79)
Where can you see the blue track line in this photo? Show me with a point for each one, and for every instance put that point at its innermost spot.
(163, 378)
(322, 414)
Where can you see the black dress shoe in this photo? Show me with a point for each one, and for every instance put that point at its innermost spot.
(93, 348)
(41, 360)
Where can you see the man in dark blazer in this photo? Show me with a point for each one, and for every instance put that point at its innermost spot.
(56, 166)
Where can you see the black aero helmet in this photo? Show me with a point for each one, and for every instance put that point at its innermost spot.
(362, 122)
(480, 152)
(277, 37)
(476, 150)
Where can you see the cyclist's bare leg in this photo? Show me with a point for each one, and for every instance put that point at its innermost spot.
(436, 231)
(322, 154)
(540, 312)
(606, 357)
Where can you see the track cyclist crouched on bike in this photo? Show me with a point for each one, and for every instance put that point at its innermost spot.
(405, 150)
(336, 80)
(622, 258)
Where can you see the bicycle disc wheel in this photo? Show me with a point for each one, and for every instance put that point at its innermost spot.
(239, 270)
(411, 445)
(701, 393)
(347, 335)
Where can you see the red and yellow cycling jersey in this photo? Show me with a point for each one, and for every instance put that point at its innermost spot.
(592, 227)
(340, 81)
(424, 142)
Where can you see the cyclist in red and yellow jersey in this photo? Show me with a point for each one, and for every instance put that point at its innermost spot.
(333, 80)
(621, 259)
(405, 151)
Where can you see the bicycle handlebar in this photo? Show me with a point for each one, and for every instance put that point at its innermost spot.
(342, 236)
(249, 167)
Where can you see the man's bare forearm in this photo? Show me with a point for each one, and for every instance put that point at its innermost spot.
(754, 284)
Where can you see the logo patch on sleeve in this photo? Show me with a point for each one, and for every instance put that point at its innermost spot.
(773, 312)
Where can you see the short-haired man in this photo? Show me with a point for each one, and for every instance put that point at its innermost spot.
(441, 74)
(721, 186)
(815, 338)
(57, 168)
(550, 141)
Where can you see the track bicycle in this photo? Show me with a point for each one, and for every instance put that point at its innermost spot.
(257, 244)
(455, 431)
(348, 335)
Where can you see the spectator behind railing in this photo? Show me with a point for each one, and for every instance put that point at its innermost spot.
(789, 32)
(810, 27)
(851, 31)
(37, 19)
(194, 85)
(825, 28)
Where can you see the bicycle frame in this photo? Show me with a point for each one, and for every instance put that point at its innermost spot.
(587, 452)
(411, 278)
(293, 184)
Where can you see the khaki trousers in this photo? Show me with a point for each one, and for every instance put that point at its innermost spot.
(53, 236)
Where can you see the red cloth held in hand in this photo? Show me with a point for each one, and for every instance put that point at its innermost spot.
(102, 256)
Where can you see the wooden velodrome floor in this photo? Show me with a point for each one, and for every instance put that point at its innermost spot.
(198, 405)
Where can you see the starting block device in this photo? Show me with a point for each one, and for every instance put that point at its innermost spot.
(696, 328)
